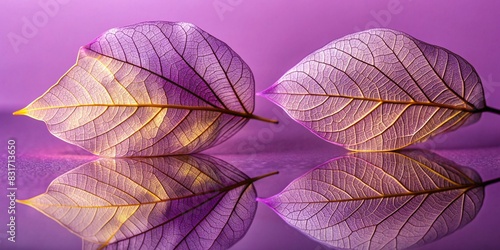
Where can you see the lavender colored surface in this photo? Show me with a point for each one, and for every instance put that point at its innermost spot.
(43, 157)
(271, 37)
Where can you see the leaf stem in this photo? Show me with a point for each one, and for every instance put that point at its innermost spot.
(259, 118)
(263, 176)
(492, 110)
(488, 182)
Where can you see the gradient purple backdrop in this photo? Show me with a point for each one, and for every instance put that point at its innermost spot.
(271, 36)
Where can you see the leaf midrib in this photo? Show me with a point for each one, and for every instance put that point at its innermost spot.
(432, 104)
(161, 106)
(467, 187)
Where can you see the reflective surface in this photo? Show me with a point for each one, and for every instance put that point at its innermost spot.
(38, 164)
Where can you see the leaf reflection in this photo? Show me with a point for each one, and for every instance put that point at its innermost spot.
(381, 200)
(185, 202)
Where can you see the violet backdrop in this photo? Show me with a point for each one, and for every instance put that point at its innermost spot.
(271, 36)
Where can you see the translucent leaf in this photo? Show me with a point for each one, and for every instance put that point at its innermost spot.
(153, 88)
(380, 90)
(182, 202)
(381, 200)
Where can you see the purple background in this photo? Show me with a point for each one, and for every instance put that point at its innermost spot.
(271, 36)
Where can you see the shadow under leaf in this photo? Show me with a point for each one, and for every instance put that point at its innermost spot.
(182, 202)
(387, 200)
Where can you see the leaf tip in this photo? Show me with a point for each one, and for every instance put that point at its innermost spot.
(269, 90)
(23, 111)
(25, 202)
(252, 116)
(263, 93)
(262, 200)
(268, 201)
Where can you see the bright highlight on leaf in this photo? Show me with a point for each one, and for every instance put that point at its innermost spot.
(380, 90)
(381, 200)
(154, 88)
(177, 202)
